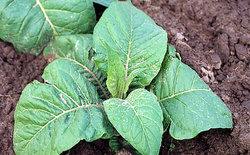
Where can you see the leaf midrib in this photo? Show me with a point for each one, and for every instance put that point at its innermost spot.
(129, 45)
(177, 94)
(56, 117)
(8, 5)
(180, 93)
(46, 17)
(132, 107)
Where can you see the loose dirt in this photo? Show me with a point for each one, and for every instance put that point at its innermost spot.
(16, 71)
(212, 37)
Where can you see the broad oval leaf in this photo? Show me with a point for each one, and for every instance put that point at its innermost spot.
(52, 117)
(77, 48)
(104, 2)
(187, 101)
(138, 119)
(134, 36)
(30, 24)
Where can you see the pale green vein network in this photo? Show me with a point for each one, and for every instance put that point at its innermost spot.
(138, 115)
(134, 37)
(30, 24)
(68, 107)
(187, 101)
(93, 75)
(46, 17)
(56, 117)
(180, 93)
(78, 50)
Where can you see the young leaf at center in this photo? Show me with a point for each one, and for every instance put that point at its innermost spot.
(116, 75)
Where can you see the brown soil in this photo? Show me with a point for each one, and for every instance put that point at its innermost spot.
(212, 37)
(16, 71)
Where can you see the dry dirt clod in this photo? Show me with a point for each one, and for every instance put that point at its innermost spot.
(241, 51)
(208, 76)
(245, 39)
(245, 22)
(214, 60)
(246, 104)
(222, 47)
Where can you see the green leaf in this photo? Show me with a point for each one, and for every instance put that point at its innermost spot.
(131, 77)
(138, 119)
(116, 75)
(134, 36)
(187, 101)
(77, 48)
(104, 2)
(30, 24)
(52, 117)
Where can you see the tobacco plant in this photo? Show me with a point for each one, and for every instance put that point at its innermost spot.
(122, 80)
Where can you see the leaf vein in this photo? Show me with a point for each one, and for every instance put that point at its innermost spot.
(180, 93)
(92, 74)
(65, 112)
(47, 102)
(46, 17)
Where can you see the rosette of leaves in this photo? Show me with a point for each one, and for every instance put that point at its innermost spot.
(129, 51)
